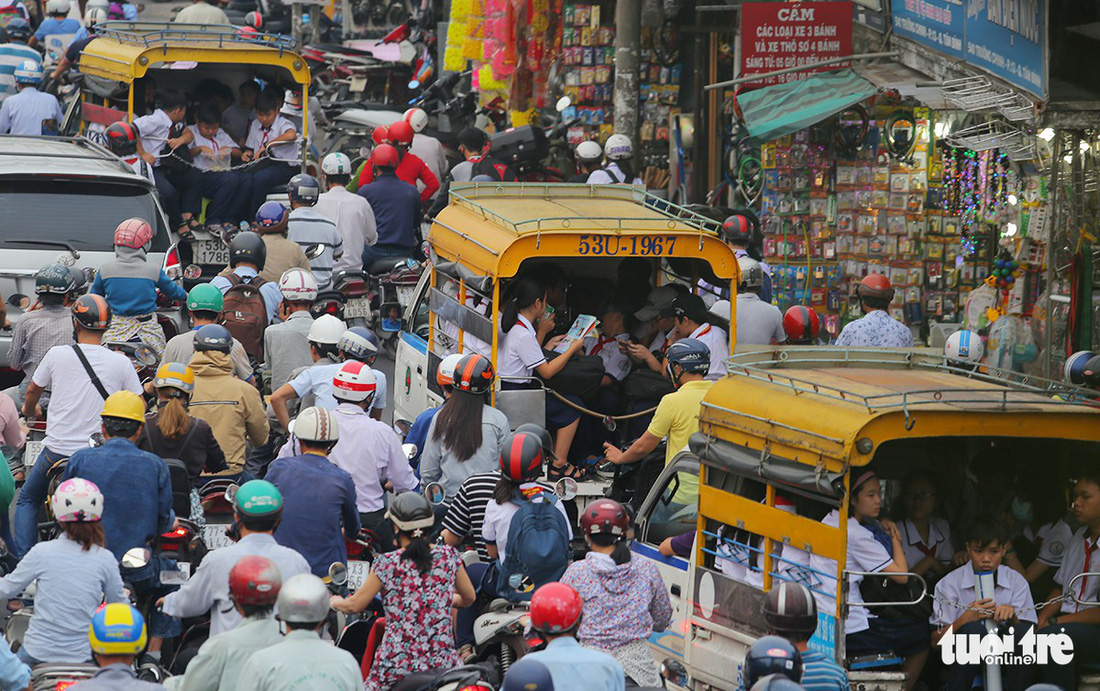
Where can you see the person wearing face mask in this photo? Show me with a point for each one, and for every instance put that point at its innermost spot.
(1039, 512)
(867, 633)
(925, 536)
(171, 433)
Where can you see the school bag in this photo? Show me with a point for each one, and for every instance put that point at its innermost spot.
(494, 169)
(116, 11)
(538, 548)
(245, 314)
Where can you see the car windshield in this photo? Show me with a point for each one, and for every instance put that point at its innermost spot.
(81, 213)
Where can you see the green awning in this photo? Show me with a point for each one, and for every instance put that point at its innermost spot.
(773, 111)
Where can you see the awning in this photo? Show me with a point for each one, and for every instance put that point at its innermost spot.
(774, 111)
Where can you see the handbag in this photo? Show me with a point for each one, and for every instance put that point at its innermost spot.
(882, 588)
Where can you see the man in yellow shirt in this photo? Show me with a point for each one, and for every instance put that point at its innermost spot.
(677, 416)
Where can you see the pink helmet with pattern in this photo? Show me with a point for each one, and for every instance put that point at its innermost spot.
(133, 232)
(77, 501)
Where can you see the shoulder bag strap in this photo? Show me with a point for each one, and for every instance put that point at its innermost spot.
(91, 373)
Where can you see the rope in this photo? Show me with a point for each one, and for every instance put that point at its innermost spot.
(593, 413)
(266, 157)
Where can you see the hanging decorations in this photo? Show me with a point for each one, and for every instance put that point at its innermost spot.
(977, 187)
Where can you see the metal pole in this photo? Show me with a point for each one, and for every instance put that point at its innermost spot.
(628, 40)
(1052, 225)
(800, 68)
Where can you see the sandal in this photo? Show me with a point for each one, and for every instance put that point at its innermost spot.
(555, 473)
(187, 229)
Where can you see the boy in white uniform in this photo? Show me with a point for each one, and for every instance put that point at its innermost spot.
(272, 135)
(213, 151)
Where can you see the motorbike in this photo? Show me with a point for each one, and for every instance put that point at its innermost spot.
(142, 357)
(60, 675)
(537, 154)
(392, 286)
(475, 677)
(216, 496)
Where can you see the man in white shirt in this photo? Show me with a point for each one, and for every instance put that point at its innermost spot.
(80, 377)
(273, 136)
(307, 227)
(30, 112)
(352, 214)
(213, 150)
(202, 12)
(758, 322)
(693, 321)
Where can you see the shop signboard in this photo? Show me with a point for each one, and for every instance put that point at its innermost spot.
(781, 35)
(1002, 37)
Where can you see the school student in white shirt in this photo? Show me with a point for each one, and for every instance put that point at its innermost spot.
(693, 321)
(1011, 608)
(521, 358)
(272, 143)
(213, 151)
(154, 133)
(925, 536)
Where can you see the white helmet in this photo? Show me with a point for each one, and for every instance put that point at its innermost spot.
(445, 375)
(303, 599)
(354, 382)
(326, 330)
(58, 7)
(417, 119)
(298, 285)
(965, 346)
(618, 147)
(590, 151)
(94, 15)
(752, 274)
(77, 501)
(28, 72)
(336, 163)
(316, 424)
(103, 4)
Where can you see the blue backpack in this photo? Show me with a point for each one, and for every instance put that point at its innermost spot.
(538, 548)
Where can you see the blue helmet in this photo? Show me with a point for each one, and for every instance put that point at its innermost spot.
(28, 72)
(691, 354)
(19, 29)
(213, 337)
(303, 189)
(528, 675)
(771, 655)
(358, 343)
(778, 682)
(270, 214)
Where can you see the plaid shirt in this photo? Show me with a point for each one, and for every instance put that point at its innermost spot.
(36, 333)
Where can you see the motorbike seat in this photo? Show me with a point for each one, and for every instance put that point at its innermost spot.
(416, 681)
(374, 640)
(384, 265)
(181, 487)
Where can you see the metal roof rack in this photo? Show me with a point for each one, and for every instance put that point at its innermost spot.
(159, 35)
(1007, 388)
(467, 194)
(97, 151)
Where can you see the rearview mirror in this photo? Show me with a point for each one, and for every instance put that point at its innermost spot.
(19, 300)
(193, 272)
(434, 493)
(674, 671)
(137, 558)
(410, 450)
(145, 356)
(566, 488)
(230, 493)
(338, 573)
(314, 251)
(563, 103)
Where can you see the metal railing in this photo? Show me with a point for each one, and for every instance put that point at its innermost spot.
(157, 35)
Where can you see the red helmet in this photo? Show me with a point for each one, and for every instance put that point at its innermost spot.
(801, 324)
(380, 136)
(255, 580)
(875, 286)
(521, 457)
(737, 228)
(385, 156)
(401, 133)
(605, 517)
(473, 374)
(555, 608)
(134, 233)
(121, 138)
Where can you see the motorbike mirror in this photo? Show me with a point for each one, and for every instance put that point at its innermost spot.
(89, 275)
(192, 272)
(402, 427)
(566, 488)
(314, 251)
(414, 84)
(19, 300)
(145, 356)
(674, 671)
(137, 557)
(230, 492)
(96, 440)
(409, 450)
(563, 103)
(434, 493)
(338, 573)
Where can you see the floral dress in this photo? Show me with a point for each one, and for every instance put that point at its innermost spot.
(419, 630)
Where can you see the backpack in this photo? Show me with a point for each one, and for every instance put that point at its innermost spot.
(538, 548)
(494, 169)
(245, 314)
(115, 11)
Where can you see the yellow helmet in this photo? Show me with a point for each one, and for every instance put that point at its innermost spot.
(117, 629)
(125, 405)
(177, 376)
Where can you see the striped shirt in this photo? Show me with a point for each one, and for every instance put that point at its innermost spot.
(36, 332)
(467, 512)
(308, 227)
(819, 673)
(12, 56)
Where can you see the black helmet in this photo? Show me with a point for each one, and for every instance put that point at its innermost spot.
(19, 30)
(521, 457)
(121, 138)
(473, 374)
(411, 512)
(738, 228)
(1091, 373)
(303, 189)
(543, 435)
(248, 247)
(790, 610)
(55, 279)
(528, 675)
(778, 682)
(771, 655)
(691, 354)
(213, 337)
(92, 312)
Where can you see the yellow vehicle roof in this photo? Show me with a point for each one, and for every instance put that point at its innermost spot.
(125, 51)
(812, 403)
(491, 228)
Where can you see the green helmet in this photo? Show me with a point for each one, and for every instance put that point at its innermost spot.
(258, 498)
(54, 278)
(205, 298)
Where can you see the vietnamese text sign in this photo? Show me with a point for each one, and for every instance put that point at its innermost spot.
(781, 35)
(938, 24)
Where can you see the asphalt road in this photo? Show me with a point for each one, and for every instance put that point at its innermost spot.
(159, 11)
